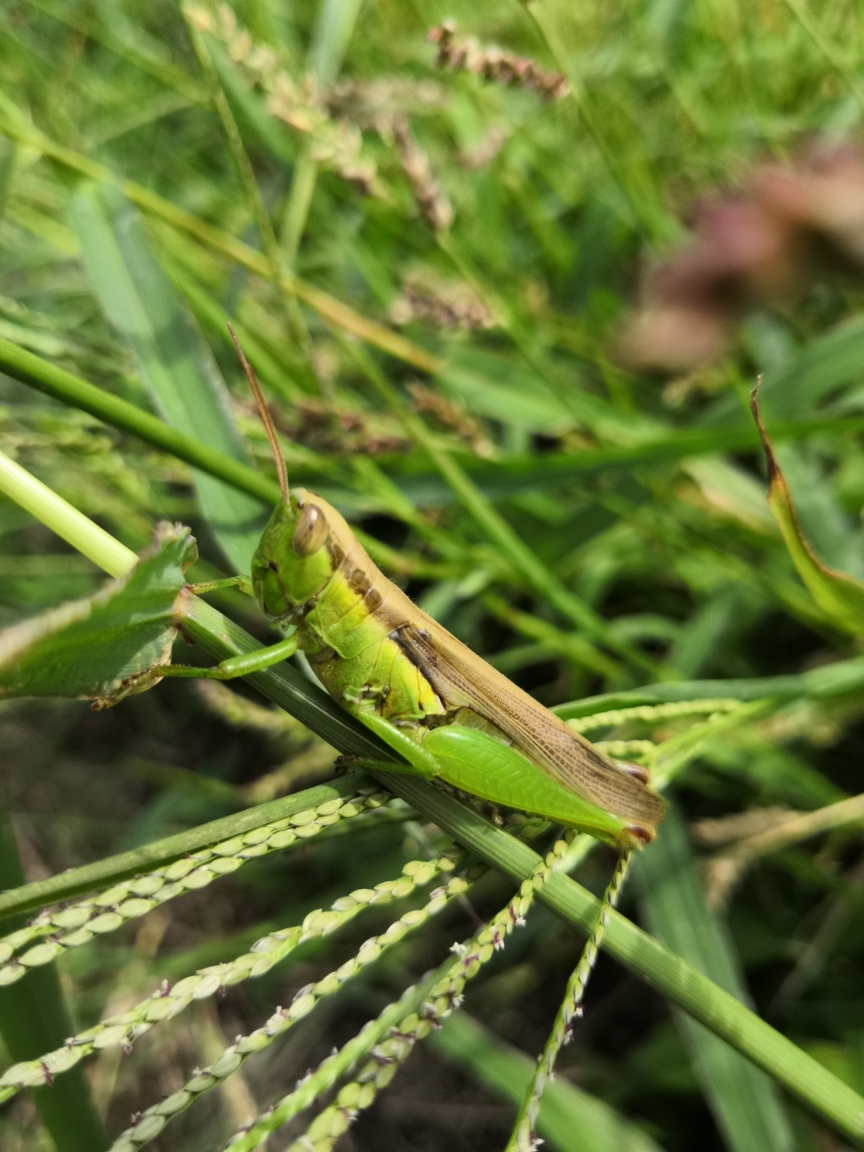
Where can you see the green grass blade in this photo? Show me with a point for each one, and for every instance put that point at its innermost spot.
(278, 272)
(53, 381)
(174, 360)
(743, 1099)
(333, 29)
(34, 1019)
(560, 468)
(830, 681)
(570, 1120)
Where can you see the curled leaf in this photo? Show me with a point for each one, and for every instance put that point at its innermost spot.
(839, 596)
(108, 645)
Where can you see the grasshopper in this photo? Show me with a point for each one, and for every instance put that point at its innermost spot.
(448, 713)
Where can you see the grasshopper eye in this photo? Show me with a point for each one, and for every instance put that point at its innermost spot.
(311, 532)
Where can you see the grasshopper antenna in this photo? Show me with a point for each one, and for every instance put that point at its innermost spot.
(266, 418)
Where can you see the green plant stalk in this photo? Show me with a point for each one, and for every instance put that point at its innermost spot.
(264, 955)
(333, 30)
(828, 682)
(62, 385)
(329, 1125)
(51, 933)
(50, 509)
(560, 468)
(745, 1103)
(297, 205)
(653, 713)
(112, 869)
(571, 1007)
(316, 924)
(667, 973)
(16, 127)
(666, 762)
(570, 1118)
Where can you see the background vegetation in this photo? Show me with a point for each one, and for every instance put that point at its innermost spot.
(486, 242)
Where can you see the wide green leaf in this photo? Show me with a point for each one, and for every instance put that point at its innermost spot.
(105, 646)
(839, 596)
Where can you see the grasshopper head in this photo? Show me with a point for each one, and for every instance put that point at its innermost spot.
(292, 563)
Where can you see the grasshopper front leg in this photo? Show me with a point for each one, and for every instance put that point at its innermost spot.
(236, 666)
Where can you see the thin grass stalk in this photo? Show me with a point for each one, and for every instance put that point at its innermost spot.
(333, 30)
(827, 682)
(523, 1138)
(336, 1066)
(641, 954)
(168, 1001)
(152, 1122)
(128, 900)
(445, 995)
(140, 861)
(55, 513)
(278, 269)
(57, 382)
(62, 385)
(653, 713)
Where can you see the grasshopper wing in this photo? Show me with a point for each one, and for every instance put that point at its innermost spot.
(463, 680)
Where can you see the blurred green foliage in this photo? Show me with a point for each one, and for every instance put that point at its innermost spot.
(642, 500)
